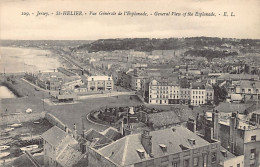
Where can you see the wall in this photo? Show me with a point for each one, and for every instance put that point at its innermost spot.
(247, 153)
(234, 161)
(55, 121)
(19, 118)
(95, 159)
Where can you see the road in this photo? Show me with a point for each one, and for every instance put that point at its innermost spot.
(105, 95)
(68, 114)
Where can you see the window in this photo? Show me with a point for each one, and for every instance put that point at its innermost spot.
(253, 138)
(238, 165)
(195, 162)
(186, 163)
(141, 153)
(213, 157)
(252, 155)
(175, 164)
(205, 160)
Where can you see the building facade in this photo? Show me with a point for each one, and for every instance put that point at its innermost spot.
(175, 147)
(238, 136)
(99, 83)
(164, 92)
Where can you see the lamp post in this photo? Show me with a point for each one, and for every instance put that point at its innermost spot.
(43, 101)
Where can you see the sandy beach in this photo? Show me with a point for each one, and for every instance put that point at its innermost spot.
(15, 60)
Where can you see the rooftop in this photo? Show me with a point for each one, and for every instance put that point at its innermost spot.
(56, 139)
(198, 85)
(69, 156)
(238, 76)
(99, 78)
(170, 117)
(125, 150)
(232, 107)
(225, 154)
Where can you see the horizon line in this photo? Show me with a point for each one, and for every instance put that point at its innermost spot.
(124, 38)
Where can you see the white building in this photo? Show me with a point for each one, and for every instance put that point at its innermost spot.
(164, 92)
(99, 83)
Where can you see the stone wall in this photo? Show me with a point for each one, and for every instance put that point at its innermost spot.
(56, 122)
(19, 118)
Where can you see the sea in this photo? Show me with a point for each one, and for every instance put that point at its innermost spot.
(20, 60)
(16, 60)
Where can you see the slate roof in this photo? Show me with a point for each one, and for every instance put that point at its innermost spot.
(163, 118)
(249, 84)
(232, 107)
(69, 156)
(96, 139)
(170, 117)
(238, 76)
(124, 151)
(54, 136)
(112, 133)
(196, 85)
(229, 154)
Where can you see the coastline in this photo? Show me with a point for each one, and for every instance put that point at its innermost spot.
(22, 59)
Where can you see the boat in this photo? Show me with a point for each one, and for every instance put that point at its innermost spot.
(29, 148)
(4, 154)
(3, 133)
(8, 129)
(17, 113)
(25, 134)
(2, 148)
(28, 110)
(37, 150)
(15, 125)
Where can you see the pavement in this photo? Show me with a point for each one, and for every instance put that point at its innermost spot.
(105, 95)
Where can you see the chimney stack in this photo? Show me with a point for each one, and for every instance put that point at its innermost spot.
(66, 129)
(208, 133)
(233, 131)
(146, 140)
(75, 131)
(215, 120)
(191, 125)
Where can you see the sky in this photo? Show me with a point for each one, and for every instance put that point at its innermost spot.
(14, 25)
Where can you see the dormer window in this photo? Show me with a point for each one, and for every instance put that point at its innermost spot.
(183, 147)
(140, 153)
(192, 141)
(163, 147)
(224, 153)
